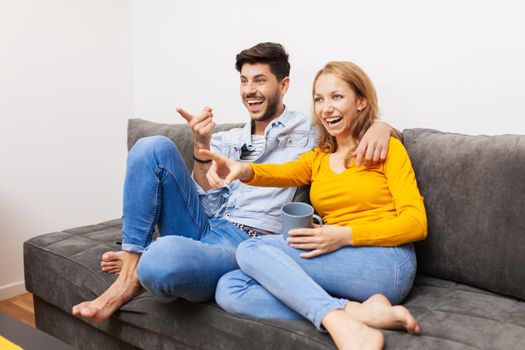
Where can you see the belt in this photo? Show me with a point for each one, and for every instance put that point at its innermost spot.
(249, 230)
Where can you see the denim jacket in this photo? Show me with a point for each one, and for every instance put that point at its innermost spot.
(287, 137)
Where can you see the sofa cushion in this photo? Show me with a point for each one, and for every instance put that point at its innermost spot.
(63, 269)
(474, 190)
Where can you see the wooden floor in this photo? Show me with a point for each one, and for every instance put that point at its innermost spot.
(20, 307)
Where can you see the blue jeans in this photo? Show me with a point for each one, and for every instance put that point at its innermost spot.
(274, 282)
(193, 251)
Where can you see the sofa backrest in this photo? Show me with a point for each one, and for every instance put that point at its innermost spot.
(474, 190)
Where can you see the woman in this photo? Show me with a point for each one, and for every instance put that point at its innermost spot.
(362, 253)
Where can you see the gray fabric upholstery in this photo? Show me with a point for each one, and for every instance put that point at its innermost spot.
(474, 189)
(63, 268)
(474, 197)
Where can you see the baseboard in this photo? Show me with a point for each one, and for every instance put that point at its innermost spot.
(10, 290)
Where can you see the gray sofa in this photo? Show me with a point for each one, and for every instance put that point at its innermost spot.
(469, 292)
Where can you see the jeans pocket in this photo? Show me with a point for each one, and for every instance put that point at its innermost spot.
(405, 274)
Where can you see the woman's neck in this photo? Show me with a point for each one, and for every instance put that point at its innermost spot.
(345, 144)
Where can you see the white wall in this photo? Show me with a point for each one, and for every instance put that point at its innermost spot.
(451, 65)
(65, 97)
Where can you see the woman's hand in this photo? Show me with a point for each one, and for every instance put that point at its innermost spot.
(320, 239)
(224, 170)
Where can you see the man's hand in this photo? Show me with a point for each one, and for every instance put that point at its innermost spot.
(320, 239)
(201, 126)
(224, 170)
(373, 147)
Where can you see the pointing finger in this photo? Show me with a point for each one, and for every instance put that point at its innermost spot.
(210, 155)
(188, 117)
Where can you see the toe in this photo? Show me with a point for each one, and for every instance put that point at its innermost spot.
(108, 256)
(380, 298)
(77, 309)
(411, 324)
(88, 312)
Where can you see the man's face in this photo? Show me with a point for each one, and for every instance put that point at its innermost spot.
(261, 92)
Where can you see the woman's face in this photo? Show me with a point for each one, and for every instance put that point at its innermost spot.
(335, 104)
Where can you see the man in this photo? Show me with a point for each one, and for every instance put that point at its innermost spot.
(201, 228)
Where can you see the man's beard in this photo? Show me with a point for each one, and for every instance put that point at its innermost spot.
(271, 110)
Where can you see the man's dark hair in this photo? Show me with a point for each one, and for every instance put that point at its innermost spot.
(272, 54)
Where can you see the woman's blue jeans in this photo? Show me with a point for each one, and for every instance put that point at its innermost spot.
(193, 251)
(274, 282)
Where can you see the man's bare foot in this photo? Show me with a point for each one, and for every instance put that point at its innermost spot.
(349, 334)
(112, 262)
(121, 291)
(377, 312)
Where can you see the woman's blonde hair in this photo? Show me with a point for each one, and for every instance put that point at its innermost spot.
(363, 88)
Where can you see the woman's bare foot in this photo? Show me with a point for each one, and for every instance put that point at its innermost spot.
(349, 334)
(377, 312)
(112, 262)
(121, 291)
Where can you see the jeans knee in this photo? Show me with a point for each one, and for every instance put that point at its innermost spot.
(227, 291)
(153, 271)
(223, 293)
(246, 253)
(150, 146)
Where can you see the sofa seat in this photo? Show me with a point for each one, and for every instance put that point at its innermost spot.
(63, 269)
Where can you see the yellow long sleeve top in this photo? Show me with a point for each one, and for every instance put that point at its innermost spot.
(381, 204)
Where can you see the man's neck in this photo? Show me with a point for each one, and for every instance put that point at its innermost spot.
(258, 127)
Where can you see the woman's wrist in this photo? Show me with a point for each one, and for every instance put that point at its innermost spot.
(247, 172)
(348, 236)
(344, 234)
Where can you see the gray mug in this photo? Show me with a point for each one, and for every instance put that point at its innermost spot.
(297, 215)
